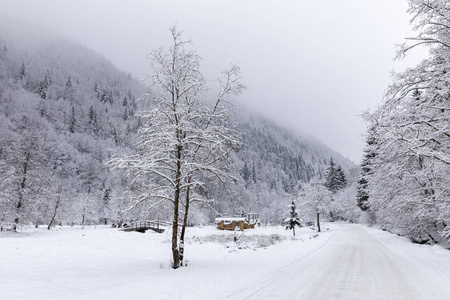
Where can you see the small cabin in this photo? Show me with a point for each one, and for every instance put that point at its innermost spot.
(245, 221)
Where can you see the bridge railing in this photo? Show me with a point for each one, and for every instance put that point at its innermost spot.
(156, 224)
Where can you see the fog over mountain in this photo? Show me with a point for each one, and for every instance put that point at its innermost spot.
(314, 67)
(66, 108)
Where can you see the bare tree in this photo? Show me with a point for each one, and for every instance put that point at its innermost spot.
(182, 138)
(316, 200)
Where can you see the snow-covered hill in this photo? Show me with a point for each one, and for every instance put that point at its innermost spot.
(63, 108)
(273, 165)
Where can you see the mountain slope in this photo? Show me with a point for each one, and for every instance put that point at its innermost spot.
(64, 109)
(272, 166)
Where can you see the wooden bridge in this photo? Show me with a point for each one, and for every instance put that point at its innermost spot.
(158, 226)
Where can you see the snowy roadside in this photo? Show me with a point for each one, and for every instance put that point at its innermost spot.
(427, 265)
(105, 263)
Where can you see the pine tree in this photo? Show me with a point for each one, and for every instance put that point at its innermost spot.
(334, 177)
(97, 89)
(129, 94)
(115, 135)
(331, 177)
(253, 172)
(293, 219)
(73, 121)
(106, 95)
(104, 208)
(44, 85)
(362, 193)
(93, 119)
(69, 90)
(69, 83)
(245, 172)
(341, 180)
(23, 71)
(23, 75)
(125, 114)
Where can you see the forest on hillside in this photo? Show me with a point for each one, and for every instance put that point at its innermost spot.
(66, 110)
(63, 107)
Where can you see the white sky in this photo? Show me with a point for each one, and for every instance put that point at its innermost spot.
(313, 66)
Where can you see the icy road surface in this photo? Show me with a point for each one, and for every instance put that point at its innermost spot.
(359, 263)
(344, 262)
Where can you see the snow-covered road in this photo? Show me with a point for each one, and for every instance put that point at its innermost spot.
(359, 263)
(344, 262)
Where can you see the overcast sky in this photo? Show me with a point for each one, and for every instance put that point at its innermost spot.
(312, 66)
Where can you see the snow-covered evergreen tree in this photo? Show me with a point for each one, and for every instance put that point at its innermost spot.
(334, 177)
(362, 195)
(341, 180)
(292, 220)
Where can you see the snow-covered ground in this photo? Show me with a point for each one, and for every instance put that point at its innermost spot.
(344, 262)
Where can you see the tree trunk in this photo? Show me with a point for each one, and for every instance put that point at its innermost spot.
(54, 212)
(85, 206)
(176, 200)
(175, 255)
(318, 222)
(183, 228)
(23, 184)
(293, 230)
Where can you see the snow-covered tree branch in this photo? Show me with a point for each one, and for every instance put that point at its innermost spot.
(183, 138)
